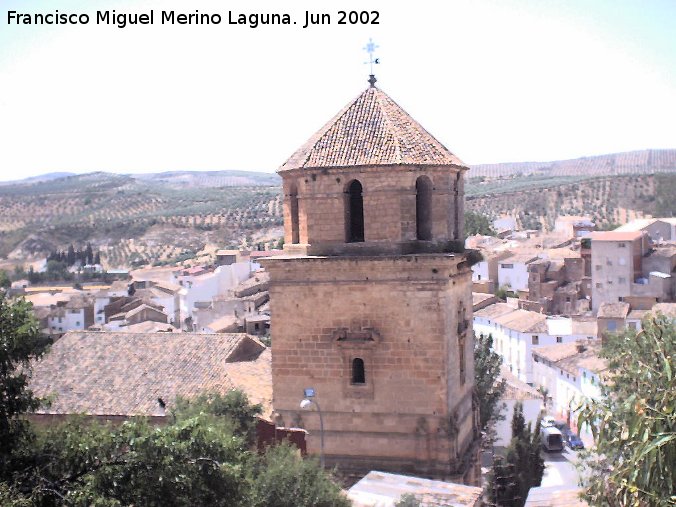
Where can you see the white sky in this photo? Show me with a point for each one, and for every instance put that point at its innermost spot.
(495, 81)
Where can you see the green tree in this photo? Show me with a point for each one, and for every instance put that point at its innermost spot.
(502, 488)
(283, 479)
(5, 282)
(234, 405)
(195, 461)
(476, 223)
(522, 466)
(524, 453)
(634, 422)
(20, 343)
(486, 373)
(408, 500)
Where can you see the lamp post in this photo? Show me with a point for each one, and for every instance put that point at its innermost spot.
(305, 404)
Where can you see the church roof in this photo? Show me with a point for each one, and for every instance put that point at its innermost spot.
(371, 130)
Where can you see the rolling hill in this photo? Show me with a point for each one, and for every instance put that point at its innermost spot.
(159, 218)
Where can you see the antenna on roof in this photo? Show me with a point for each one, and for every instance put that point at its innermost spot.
(370, 48)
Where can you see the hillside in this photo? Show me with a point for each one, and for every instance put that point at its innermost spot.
(160, 218)
(607, 199)
(631, 162)
(134, 220)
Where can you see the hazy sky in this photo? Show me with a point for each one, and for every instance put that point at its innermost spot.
(495, 81)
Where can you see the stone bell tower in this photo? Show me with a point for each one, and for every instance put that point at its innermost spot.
(371, 305)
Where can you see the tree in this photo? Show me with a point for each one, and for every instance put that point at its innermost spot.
(408, 500)
(634, 421)
(234, 405)
(486, 373)
(521, 468)
(195, 461)
(89, 254)
(20, 343)
(476, 223)
(70, 256)
(5, 282)
(502, 488)
(283, 479)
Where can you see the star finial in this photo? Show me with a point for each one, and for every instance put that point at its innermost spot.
(370, 48)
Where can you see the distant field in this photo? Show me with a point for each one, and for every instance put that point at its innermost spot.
(536, 202)
(163, 218)
(631, 162)
(117, 212)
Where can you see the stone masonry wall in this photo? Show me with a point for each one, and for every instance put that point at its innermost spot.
(389, 204)
(402, 315)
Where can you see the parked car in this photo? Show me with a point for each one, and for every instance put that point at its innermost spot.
(572, 440)
(569, 437)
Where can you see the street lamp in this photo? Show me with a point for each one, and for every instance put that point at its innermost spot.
(305, 405)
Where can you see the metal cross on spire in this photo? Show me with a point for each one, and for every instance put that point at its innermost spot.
(370, 48)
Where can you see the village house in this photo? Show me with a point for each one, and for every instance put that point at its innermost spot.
(557, 286)
(485, 272)
(517, 332)
(574, 226)
(569, 372)
(513, 271)
(616, 317)
(659, 229)
(627, 266)
(75, 314)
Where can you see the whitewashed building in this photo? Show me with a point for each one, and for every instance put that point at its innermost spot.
(516, 333)
(513, 271)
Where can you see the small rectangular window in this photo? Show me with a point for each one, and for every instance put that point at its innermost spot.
(535, 340)
(599, 285)
(559, 339)
(507, 266)
(622, 245)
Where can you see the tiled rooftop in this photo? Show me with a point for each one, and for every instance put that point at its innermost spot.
(112, 373)
(616, 236)
(495, 310)
(371, 130)
(613, 310)
(569, 357)
(524, 321)
(381, 489)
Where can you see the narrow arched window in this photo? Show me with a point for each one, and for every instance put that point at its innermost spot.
(354, 213)
(358, 373)
(423, 208)
(293, 208)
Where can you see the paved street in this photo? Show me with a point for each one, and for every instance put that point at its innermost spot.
(560, 468)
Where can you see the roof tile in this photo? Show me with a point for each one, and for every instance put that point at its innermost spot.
(371, 130)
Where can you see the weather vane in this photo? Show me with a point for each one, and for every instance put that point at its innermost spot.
(370, 48)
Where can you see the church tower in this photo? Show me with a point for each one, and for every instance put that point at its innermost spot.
(371, 303)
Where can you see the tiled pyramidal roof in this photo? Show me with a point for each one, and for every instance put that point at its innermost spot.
(371, 130)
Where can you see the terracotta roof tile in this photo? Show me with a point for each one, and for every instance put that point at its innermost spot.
(371, 130)
(613, 310)
(116, 373)
(616, 236)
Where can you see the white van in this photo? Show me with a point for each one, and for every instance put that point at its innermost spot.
(552, 439)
